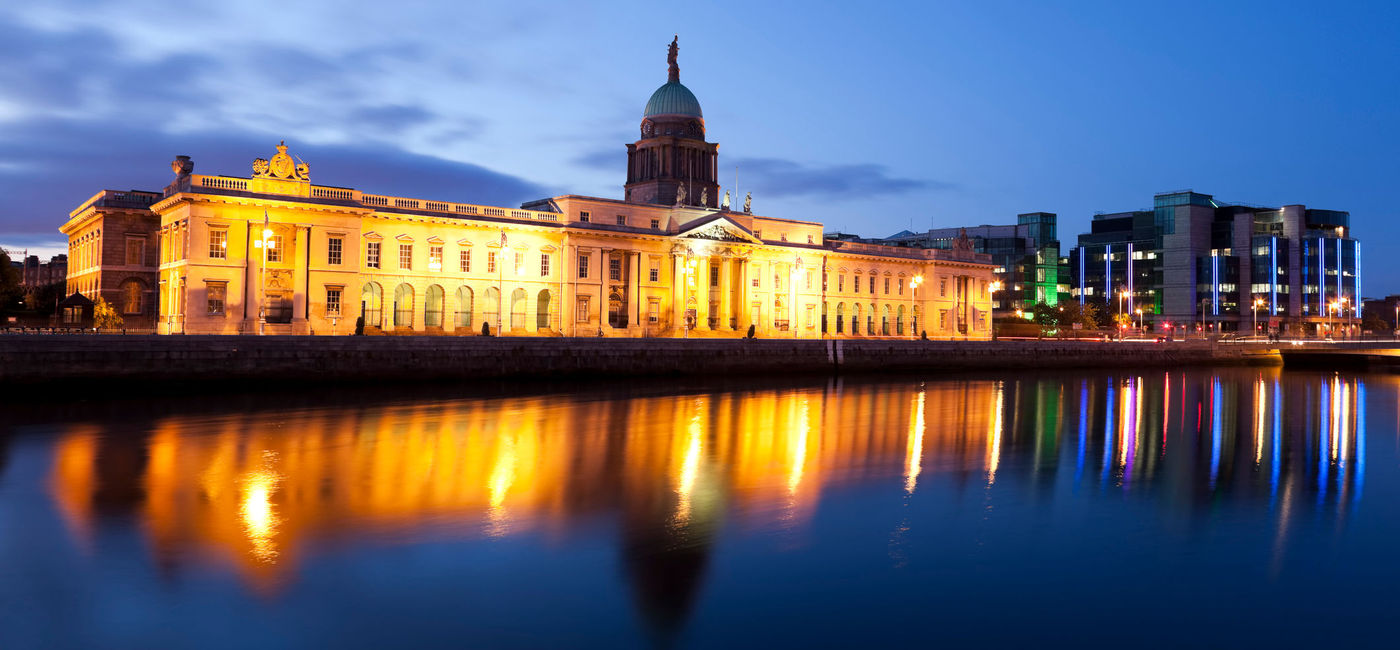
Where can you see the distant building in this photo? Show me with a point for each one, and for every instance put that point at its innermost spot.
(1193, 260)
(34, 273)
(113, 253)
(1026, 255)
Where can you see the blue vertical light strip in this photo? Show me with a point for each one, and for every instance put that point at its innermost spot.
(1277, 450)
(1325, 406)
(1108, 273)
(1356, 276)
(1215, 283)
(1273, 275)
(1083, 429)
(1215, 429)
(1322, 278)
(1082, 252)
(1339, 272)
(1359, 472)
(1110, 406)
(1128, 279)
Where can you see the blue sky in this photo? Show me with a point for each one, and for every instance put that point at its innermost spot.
(869, 117)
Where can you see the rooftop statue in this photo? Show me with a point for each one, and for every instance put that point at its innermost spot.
(680, 195)
(748, 202)
(705, 197)
(724, 205)
(674, 73)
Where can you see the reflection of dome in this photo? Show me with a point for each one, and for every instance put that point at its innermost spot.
(673, 99)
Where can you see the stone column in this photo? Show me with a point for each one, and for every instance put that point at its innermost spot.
(678, 293)
(742, 295)
(726, 292)
(634, 284)
(702, 299)
(300, 288)
(604, 288)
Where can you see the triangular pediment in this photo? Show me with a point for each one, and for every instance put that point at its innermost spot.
(717, 228)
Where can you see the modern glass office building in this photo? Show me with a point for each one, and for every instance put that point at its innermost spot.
(1196, 262)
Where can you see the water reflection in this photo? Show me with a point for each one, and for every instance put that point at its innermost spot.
(260, 489)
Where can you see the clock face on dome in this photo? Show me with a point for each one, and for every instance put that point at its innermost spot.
(646, 128)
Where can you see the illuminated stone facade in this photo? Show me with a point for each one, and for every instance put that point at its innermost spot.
(276, 254)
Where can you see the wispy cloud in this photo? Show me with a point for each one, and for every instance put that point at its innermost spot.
(785, 178)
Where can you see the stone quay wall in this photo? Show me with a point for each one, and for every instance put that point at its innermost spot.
(30, 359)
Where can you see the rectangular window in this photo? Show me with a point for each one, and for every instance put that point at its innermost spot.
(333, 301)
(942, 287)
(807, 279)
(654, 274)
(655, 224)
(464, 260)
(216, 291)
(714, 276)
(621, 219)
(901, 286)
(372, 254)
(406, 256)
(583, 216)
(135, 252)
(808, 321)
(544, 265)
(274, 249)
(334, 247)
(519, 262)
(841, 282)
(490, 261)
(434, 258)
(614, 269)
(872, 285)
(887, 286)
(583, 266)
(753, 282)
(581, 310)
(218, 244)
(653, 310)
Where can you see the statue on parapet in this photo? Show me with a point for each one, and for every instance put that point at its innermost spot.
(680, 195)
(724, 205)
(748, 202)
(705, 198)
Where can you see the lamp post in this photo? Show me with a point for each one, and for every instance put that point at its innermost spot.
(1257, 303)
(994, 287)
(1344, 307)
(1331, 309)
(264, 244)
(1138, 311)
(913, 303)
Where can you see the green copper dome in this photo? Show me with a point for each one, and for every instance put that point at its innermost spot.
(673, 99)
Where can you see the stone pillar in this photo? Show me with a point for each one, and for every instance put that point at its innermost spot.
(634, 284)
(702, 298)
(678, 293)
(726, 292)
(300, 289)
(742, 295)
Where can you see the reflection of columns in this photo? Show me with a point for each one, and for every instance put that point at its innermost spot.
(702, 300)
(726, 292)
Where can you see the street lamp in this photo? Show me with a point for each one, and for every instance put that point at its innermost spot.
(264, 243)
(1257, 304)
(1138, 311)
(1345, 309)
(994, 287)
(913, 302)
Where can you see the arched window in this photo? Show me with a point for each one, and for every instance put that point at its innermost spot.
(372, 304)
(464, 307)
(493, 308)
(899, 322)
(542, 310)
(133, 292)
(518, 298)
(885, 321)
(914, 324)
(840, 317)
(870, 318)
(855, 318)
(403, 305)
(780, 315)
(432, 307)
(826, 306)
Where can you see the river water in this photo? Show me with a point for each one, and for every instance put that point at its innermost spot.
(1199, 508)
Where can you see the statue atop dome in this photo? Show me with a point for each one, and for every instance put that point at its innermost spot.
(674, 73)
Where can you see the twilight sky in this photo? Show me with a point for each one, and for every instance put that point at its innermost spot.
(870, 117)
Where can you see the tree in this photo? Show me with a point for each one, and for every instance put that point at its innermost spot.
(9, 282)
(104, 316)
